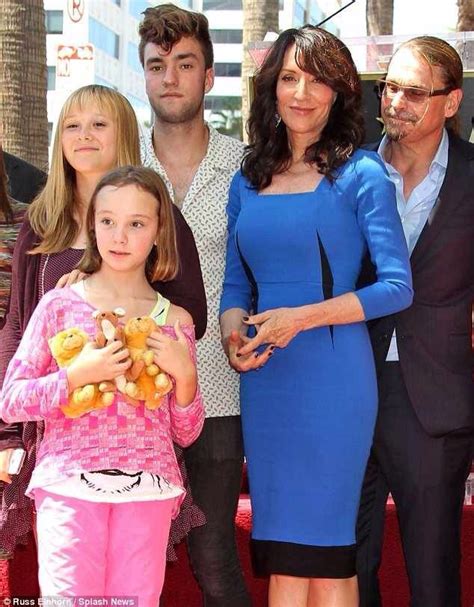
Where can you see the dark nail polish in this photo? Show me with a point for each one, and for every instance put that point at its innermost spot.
(238, 355)
(256, 355)
(270, 353)
(245, 318)
(272, 348)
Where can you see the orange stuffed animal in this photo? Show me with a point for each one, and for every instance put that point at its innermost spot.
(151, 382)
(65, 347)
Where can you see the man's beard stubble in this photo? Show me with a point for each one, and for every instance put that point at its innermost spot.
(398, 131)
(186, 113)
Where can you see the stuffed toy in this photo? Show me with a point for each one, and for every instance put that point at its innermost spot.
(109, 329)
(148, 382)
(65, 346)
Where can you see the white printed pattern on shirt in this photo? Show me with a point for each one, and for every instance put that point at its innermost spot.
(204, 209)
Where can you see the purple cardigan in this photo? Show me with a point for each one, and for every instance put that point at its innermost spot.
(186, 290)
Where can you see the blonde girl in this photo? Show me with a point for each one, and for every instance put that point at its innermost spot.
(96, 132)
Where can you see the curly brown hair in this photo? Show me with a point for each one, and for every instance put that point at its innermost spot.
(323, 55)
(166, 24)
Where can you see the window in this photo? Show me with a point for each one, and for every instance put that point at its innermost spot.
(54, 22)
(51, 77)
(141, 107)
(136, 8)
(133, 60)
(223, 5)
(226, 36)
(104, 38)
(104, 82)
(50, 132)
(232, 70)
(299, 14)
(217, 104)
(316, 15)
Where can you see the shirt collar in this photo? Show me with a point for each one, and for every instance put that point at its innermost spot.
(217, 153)
(440, 158)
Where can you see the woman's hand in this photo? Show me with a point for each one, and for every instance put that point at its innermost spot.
(94, 365)
(172, 355)
(276, 327)
(4, 463)
(69, 279)
(245, 362)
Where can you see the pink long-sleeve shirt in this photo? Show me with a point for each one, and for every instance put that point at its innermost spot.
(121, 436)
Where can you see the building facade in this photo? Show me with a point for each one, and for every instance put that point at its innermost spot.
(96, 41)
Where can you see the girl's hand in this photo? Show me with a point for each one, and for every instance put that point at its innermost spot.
(276, 327)
(94, 365)
(69, 279)
(249, 361)
(172, 355)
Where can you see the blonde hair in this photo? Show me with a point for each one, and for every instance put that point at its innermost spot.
(163, 261)
(51, 214)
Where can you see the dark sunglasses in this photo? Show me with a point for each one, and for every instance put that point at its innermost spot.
(412, 94)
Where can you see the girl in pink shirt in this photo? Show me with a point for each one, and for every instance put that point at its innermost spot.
(106, 485)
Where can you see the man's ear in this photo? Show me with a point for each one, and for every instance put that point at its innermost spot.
(453, 102)
(209, 81)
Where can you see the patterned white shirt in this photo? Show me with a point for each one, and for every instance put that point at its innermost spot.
(204, 208)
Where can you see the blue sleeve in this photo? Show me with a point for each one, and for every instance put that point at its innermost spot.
(237, 291)
(379, 221)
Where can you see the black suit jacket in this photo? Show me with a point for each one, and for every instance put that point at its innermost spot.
(24, 180)
(434, 334)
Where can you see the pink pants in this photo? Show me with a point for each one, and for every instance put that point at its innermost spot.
(91, 549)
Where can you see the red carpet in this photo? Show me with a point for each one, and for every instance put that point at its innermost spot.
(181, 589)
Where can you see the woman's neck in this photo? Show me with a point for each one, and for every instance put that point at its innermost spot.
(299, 143)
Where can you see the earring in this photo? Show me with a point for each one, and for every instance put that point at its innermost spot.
(277, 120)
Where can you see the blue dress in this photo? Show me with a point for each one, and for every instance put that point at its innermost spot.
(308, 415)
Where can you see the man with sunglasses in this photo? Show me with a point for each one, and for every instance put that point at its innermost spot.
(423, 441)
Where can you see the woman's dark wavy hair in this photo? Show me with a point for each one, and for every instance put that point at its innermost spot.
(322, 54)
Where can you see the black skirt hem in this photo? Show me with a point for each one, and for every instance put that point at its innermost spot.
(299, 560)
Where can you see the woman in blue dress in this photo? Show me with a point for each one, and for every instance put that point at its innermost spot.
(305, 209)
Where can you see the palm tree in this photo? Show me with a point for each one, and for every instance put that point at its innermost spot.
(379, 22)
(465, 24)
(23, 80)
(465, 16)
(260, 17)
(379, 17)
